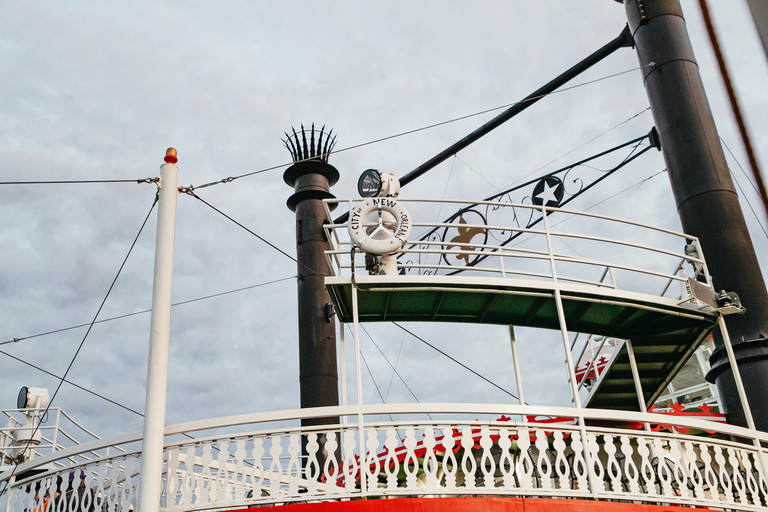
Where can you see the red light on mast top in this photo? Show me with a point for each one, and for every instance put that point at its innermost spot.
(170, 156)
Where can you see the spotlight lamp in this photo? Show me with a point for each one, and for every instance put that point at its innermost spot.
(32, 398)
(374, 183)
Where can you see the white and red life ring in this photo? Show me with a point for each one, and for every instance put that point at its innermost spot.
(382, 239)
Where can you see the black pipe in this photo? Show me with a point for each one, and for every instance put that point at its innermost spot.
(706, 199)
(318, 377)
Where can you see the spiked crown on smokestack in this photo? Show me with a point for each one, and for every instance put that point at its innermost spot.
(311, 175)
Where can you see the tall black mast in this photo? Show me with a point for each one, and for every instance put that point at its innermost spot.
(706, 199)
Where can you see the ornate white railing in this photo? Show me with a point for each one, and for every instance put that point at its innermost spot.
(526, 451)
(490, 238)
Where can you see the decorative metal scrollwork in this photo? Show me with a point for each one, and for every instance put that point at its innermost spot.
(464, 235)
(461, 243)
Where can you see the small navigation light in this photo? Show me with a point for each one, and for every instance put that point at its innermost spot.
(374, 183)
(170, 156)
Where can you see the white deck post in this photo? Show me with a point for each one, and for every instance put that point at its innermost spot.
(359, 388)
(157, 369)
(516, 363)
(638, 384)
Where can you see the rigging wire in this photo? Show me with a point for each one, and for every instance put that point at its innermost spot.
(78, 386)
(78, 182)
(420, 129)
(455, 360)
(79, 348)
(749, 203)
(16, 340)
(373, 379)
(476, 172)
(734, 103)
(391, 366)
(722, 140)
(356, 146)
(577, 147)
(397, 359)
(190, 192)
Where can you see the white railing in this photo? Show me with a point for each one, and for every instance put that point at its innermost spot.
(518, 451)
(57, 432)
(490, 239)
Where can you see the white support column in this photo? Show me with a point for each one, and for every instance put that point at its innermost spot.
(636, 379)
(343, 363)
(742, 393)
(636, 376)
(576, 399)
(157, 371)
(736, 373)
(516, 363)
(359, 384)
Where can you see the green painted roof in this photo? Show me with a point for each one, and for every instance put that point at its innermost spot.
(663, 333)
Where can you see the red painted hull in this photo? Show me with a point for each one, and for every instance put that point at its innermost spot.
(476, 505)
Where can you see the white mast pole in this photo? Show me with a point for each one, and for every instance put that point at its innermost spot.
(157, 370)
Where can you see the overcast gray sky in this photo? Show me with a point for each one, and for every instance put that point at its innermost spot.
(94, 90)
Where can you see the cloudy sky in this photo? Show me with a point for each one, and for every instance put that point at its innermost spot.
(95, 91)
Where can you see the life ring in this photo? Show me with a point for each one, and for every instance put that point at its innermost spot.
(382, 239)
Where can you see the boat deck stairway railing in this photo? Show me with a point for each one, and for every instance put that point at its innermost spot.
(423, 450)
(535, 266)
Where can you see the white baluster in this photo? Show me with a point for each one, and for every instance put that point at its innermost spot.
(468, 464)
(331, 464)
(128, 498)
(275, 470)
(524, 466)
(630, 473)
(762, 483)
(350, 466)
(411, 462)
(578, 464)
(258, 471)
(749, 477)
(710, 477)
(595, 469)
(725, 479)
(312, 470)
(222, 474)
(114, 490)
(561, 463)
(487, 464)
(240, 477)
(543, 464)
(695, 477)
(293, 471)
(678, 472)
(391, 464)
(739, 484)
(430, 464)
(171, 478)
(101, 476)
(450, 466)
(372, 464)
(205, 483)
(506, 461)
(662, 469)
(647, 477)
(87, 498)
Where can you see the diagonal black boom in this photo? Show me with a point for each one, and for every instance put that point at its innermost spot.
(624, 40)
